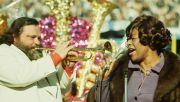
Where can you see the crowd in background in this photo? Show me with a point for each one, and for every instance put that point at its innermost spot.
(166, 10)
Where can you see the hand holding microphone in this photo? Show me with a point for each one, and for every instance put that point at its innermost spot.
(111, 61)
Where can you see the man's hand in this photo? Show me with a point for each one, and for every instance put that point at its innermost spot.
(62, 48)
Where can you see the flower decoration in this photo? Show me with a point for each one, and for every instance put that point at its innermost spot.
(98, 58)
(48, 29)
(79, 32)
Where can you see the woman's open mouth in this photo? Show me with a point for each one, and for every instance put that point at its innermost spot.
(131, 51)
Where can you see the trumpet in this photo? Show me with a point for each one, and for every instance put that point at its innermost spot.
(45, 49)
(106, 50)
(75, 49)
(73, 57)
(107, 46)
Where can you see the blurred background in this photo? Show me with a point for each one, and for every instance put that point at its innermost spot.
(167, 11)
(89, 19)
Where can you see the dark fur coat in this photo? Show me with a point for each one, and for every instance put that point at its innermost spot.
(168, 88)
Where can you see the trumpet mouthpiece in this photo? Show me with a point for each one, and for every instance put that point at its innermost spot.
(49, 49)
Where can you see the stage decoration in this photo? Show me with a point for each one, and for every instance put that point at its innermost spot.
(61, 10)
(14, 10)
(3, 23)
(79, 32)
(100, 11)
(48, 31)
(98, 58)
(174, 44)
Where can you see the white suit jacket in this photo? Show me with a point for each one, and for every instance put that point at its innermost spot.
(19, 78)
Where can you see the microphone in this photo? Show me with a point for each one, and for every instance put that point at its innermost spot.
(121, 50)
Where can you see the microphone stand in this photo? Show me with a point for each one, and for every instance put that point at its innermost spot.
(125, 86)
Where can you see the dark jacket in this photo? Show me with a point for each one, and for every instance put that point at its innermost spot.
(168, 88)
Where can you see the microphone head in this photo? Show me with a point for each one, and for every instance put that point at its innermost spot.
(121, 50)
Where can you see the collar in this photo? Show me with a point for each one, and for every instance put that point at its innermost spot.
(156, 69)
(18, 51)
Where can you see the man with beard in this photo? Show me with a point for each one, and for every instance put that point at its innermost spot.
(153, 71)
(25, 77)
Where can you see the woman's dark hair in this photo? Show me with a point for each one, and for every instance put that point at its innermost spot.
(16, 29)
(152, 32)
